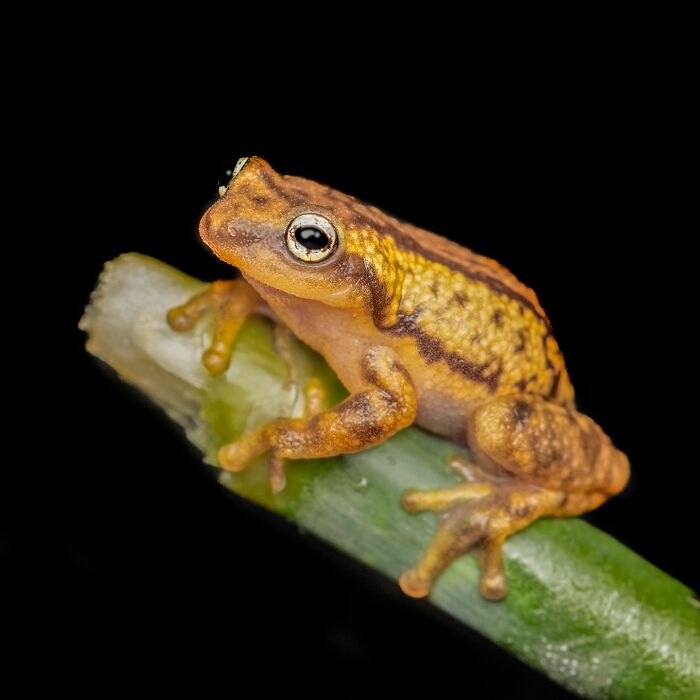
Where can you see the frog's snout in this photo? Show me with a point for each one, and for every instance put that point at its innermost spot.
(214, 229)
(229, 235)
(210, 227)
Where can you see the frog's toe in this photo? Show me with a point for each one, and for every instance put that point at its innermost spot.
(180, 318)
(413, 585)
(279, 437)
(232, 302)
(284, 345)
(492, 579)
(418, 581)
(457, 533)
(234, 457)
(474, 517)
(216, 358)
(275, 472)
(439, 500)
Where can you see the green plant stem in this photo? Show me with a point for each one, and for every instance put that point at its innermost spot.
(583, 609)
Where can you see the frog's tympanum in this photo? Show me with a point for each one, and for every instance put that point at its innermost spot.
(419, 330)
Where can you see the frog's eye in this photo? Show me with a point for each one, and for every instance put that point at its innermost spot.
(229, 173)
(311, 238)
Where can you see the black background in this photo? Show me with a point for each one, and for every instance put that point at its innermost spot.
(134, 558)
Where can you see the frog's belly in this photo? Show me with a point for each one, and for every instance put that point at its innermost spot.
(444, 401)
(441, 410)
(440, 413)
(445, 398)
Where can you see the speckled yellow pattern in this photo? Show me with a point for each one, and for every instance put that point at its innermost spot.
(420, 330)
(508, 346)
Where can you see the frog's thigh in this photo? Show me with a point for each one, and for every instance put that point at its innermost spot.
(546, 444)
(363, 419)
(233, 301)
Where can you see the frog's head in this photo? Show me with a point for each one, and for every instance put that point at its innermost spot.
(301, 238)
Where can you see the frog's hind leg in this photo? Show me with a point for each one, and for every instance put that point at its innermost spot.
(533, 459)
(232, 301)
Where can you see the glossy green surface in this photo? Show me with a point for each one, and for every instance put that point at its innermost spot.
(582, 608)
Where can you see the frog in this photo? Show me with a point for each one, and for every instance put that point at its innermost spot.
(420, 330)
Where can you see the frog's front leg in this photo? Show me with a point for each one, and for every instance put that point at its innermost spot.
(232, 301)
(544, 460)
(365, 418)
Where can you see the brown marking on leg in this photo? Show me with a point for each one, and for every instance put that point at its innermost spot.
(522, 411)
(547, 444)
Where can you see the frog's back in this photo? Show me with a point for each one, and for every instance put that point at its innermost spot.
(478, 331)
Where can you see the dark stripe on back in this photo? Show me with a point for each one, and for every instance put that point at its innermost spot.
(474, 272)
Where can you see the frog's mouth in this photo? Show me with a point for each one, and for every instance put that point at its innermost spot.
(237, 169)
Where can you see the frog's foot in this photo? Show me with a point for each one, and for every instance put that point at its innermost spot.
(475, 516)
(365, 418)
(232, 301)
(237, 455)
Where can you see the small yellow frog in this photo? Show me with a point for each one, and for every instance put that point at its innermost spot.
(419, 330)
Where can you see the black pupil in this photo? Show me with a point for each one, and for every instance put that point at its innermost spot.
(311, 238)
